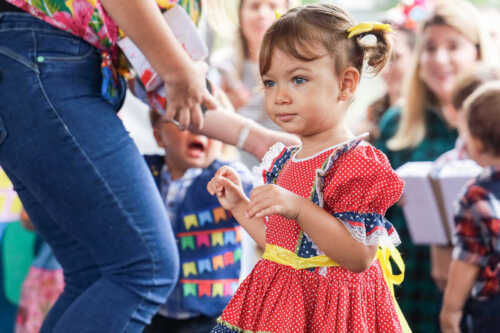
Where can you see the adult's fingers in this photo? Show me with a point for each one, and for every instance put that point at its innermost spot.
(171, 112)
(208, 101)
(196, 117)
(184, 119)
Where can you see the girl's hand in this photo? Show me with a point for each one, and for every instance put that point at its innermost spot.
(450, 320)
(226, 184)
(272, 199)
(186, 91)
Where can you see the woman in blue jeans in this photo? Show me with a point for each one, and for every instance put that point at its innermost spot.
(77, 171)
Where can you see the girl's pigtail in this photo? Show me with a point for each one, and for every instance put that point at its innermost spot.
(376, 46)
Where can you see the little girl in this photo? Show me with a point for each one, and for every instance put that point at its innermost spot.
(320, 216)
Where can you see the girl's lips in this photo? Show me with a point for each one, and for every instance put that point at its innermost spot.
(286, 117)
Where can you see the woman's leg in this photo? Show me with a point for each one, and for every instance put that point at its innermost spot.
(88, 190)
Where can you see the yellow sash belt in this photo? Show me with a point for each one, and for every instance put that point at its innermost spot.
(283, 256)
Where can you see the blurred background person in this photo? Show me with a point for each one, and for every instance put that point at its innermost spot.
(393, 76)
(239, 73)
(449, 40)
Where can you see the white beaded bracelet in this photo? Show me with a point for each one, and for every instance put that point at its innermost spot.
(242, 138)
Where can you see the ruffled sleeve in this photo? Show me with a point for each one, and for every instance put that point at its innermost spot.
(272, 162)
(358, 190)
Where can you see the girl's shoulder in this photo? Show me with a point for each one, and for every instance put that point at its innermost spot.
(361, 160)
(273, 161)
(363, 167)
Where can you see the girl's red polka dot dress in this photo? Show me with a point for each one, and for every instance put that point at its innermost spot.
(355, 183)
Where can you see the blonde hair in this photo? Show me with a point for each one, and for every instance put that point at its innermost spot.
(242, 50)
(301, 30)
(465, 18)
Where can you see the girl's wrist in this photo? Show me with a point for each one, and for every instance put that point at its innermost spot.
(300, 203)
(240, 209)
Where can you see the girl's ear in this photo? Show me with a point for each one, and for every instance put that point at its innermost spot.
(348, 82)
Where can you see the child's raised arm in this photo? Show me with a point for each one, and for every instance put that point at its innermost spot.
(237, 130)
(226, 184)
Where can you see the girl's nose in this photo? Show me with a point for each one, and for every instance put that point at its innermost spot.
(282, 97)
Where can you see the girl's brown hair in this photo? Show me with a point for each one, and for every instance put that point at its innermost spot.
(301, 30)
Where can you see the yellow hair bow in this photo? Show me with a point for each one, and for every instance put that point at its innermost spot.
(367, 27)
(277, 14)
(166, 4)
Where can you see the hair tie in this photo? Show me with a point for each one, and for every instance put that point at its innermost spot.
(367, 27)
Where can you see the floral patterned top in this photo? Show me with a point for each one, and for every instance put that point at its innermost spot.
(88, 20)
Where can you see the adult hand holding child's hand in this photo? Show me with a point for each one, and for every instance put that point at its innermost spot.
(186, 91)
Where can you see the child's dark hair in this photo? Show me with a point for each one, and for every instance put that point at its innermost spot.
(483, 116)
(301, 30)
(154, 117)
(469, 80)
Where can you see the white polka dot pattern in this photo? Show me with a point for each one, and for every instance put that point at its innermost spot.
(277, 298)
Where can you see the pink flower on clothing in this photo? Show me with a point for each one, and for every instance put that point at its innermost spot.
(77, 22)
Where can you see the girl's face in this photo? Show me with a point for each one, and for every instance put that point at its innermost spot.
(445, 52)
(399, 63)
(256, 16)
(302, 97)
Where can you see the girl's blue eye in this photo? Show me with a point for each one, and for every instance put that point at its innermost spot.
(269, 83)
(299, 80)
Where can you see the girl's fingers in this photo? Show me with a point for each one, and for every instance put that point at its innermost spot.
(259, 191)
(255, 206)
(227, 184)
(229, 173)
(222, 171)
(211, 187)
(276, 209)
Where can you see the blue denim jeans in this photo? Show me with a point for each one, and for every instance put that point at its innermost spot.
(82, 181)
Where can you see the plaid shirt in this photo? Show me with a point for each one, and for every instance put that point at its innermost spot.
(477, 231)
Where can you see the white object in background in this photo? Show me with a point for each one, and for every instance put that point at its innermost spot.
(420, 208)
(452, 178)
